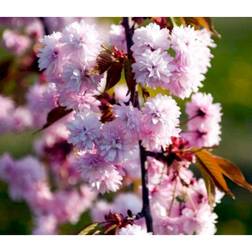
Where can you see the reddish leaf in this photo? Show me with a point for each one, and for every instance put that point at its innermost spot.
(54, 115)
(106, 107)
(231, 171)
(163, 22)
(201, 22)
(104, 61)
(210, 186)
(214, 169)
(114, 74)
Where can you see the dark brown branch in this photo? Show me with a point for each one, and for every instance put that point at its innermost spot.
(129, 34)
(130, 81)
(46, 28)
(145, 190)
(146, 211)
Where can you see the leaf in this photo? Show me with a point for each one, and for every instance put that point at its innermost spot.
(210, 186)
(111, 230)
(106, 107)
(55, 115)
(201, 22)
(90, 229)
(215, 169)
(114, 74)
(211, 167)
(231, 171)
(104, 61)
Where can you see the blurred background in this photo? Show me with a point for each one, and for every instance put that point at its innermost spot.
(230, 82)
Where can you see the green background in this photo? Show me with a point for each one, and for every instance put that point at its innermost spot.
(230, 82)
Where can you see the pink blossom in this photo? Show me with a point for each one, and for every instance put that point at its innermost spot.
(192, 59)
(82, 41)
(117, 37)
(99, 174)
(21, 119)
(23, 176)
(127, 201)
(201, 110)
(203, 128)
(35, 29)
(130, 164)
(206, 135)
(121, 93)
(45, 225)
(67, 206)
(132, 230)
(78, 101)
(41, 99)
(153, 68)
(113, 144)
(85, 130)
(159, 122)
(150, 37)
(180, 209)
(7, 107)
(130, 117)
(51, 55)
(15, 42)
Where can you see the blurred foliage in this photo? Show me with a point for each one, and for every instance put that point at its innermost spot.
(230, 82)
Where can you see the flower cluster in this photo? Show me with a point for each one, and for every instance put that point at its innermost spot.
(27, 180)
(97, 148)
(176, 61)
(20, 120)
(179, 201)
(68, 58)
(204, 117)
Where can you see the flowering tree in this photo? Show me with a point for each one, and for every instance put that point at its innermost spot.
(106, 103)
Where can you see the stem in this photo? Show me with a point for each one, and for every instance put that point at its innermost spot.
(173, 197)
(129, 42)
(173, 21)
(46, 28)
(145, 190)
(128, 33)
(146, 212)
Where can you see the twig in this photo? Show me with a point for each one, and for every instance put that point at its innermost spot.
(146, 211)
(145, 190)
(46, 28)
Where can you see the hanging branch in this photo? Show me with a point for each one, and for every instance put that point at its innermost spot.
(146, 211)
(46, 28)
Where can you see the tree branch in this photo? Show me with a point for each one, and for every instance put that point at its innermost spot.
(46, 28)
(146, 211)
(145, 190)
(129, 34)
(131, 82)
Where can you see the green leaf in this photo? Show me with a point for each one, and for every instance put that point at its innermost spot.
(90, 229)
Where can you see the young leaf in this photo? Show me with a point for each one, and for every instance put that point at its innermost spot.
(210, 186)
(231, 171)
(114, 74)
(55, 115)
(90, 229)
(111, 230)
(216, 169)
(201, 22)
(104, 61)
